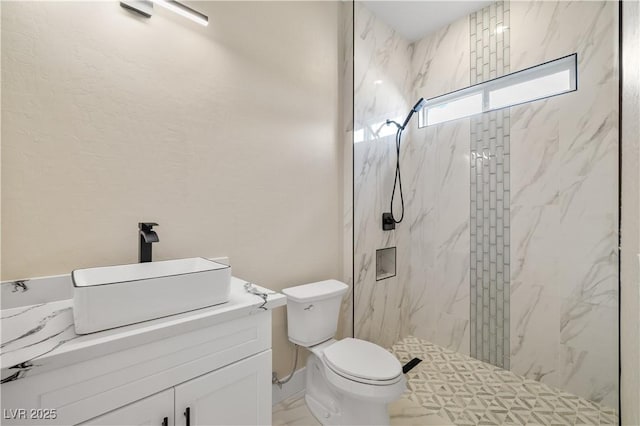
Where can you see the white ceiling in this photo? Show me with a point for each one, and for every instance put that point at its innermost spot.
(415, 19)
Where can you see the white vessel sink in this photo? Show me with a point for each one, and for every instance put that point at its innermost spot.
(115, 296)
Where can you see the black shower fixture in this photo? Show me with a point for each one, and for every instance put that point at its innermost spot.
(388, 219)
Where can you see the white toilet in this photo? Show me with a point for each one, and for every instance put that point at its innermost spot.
(349, 381)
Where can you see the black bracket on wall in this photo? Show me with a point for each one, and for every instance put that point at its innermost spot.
(388, 224)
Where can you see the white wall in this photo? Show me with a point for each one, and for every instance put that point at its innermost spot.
(226, 135)
(630, 251)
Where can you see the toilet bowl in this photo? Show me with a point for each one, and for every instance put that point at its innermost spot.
(348, 381)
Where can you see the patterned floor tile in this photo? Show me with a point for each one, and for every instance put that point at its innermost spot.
(608, 418)
(449, 388)
(466, 391)
(403, 412)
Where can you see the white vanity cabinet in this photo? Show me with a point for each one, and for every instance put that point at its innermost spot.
(239, 394)
(213, 363)
(153, 410)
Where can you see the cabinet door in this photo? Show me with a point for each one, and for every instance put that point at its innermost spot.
(155, 410)
(239, 394)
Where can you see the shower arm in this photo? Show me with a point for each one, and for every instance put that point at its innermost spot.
(416, 108)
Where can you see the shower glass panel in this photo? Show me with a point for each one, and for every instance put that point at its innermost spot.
(508, 254)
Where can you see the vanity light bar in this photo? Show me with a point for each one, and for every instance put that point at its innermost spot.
(145, 8)
(184, 10)
(142, 7)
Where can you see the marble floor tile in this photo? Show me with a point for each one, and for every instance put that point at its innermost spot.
(403, 412)
(294, 412)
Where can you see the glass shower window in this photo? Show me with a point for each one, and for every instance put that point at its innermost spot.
(457, 108)
(541, 81)
(538, 88)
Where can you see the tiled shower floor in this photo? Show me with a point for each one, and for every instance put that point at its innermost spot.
(448, 388)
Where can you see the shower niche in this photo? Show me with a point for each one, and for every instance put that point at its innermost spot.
(385, 263)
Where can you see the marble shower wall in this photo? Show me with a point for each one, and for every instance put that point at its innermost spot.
(563, 196)
(429, 296)
(564, 203)
(437, 169)
(381, 83)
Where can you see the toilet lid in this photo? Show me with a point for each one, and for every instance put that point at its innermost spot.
(362, 359)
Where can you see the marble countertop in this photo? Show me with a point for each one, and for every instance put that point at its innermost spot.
(41, 337)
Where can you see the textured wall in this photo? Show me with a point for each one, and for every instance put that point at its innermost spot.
(562, 232)
(228, 136)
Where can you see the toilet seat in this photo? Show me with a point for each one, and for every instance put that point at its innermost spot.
(362, 362)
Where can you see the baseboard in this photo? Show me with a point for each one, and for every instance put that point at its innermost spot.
(294, 386)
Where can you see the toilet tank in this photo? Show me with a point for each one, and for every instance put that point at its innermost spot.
(313, 311)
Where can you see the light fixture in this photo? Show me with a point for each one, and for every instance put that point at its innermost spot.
(145, 8)
(184, 10)
(142, 7)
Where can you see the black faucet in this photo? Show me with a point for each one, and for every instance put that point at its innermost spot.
(147, 237)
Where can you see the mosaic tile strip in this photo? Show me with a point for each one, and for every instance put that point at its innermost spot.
(489, 42)
(466, 391)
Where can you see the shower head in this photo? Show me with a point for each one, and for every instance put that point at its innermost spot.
(417, 107)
